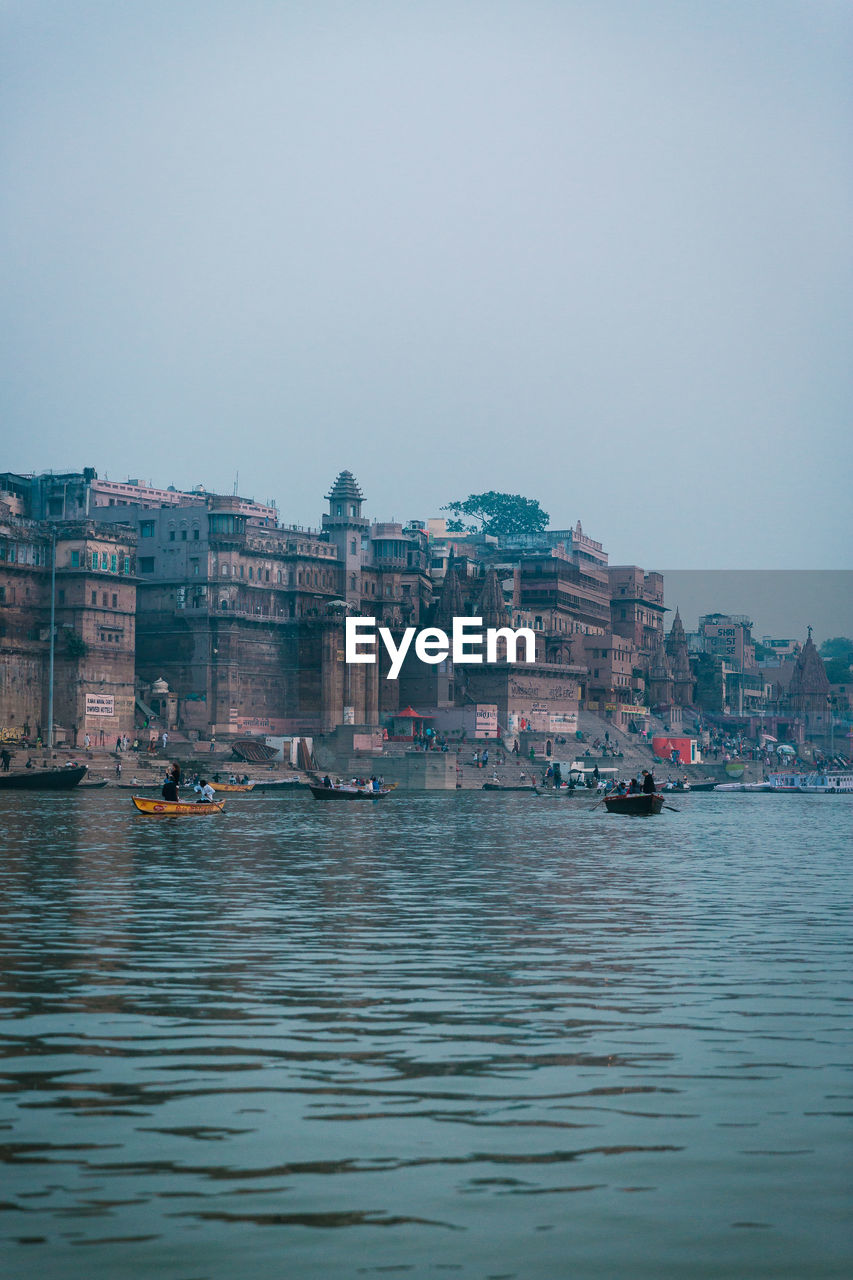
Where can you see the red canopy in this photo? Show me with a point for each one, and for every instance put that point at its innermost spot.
(409, 713)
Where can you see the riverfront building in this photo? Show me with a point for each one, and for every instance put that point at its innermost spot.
(94, 597)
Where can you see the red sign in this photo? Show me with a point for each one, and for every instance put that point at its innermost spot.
(664, 748)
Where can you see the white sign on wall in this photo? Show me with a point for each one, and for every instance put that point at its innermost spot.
(100, 704)
(486, 721)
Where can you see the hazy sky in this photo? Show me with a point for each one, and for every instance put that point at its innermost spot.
(598, 253)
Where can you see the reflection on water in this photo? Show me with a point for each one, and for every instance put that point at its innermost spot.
(482, 1035)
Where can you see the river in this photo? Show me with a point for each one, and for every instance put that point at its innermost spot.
(464, 1035)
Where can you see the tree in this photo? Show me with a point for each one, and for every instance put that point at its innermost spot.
(839, 647)
(499, 514)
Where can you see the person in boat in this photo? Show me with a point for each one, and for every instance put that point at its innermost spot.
(634, 789)
(327, 781)
(648, 783)
(374, 782)
(170, 786)
(208, 795)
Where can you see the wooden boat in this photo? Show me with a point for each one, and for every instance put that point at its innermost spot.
(349, 793)
(177, 808)
(703, 786)
(639, 806)
(92, 784)
(279, 784)
(501, 786)
(43, 779)
(233, 786)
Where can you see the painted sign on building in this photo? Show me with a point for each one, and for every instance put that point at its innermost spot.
(257, 724)
(367, 741)
(677, 750)
(99, 704)
(486, 724)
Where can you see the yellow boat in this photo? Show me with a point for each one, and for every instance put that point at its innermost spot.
(232, 786)
(163, 808)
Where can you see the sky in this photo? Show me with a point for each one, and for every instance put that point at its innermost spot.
(597, 253)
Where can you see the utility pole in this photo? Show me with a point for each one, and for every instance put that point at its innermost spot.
(52, 636)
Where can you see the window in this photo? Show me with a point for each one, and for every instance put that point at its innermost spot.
(195, 568)
(225, 571)
(2, 595)
(195, 535)
(352, 546)
(266, 575)
(115, 600)
(146, 564)
(183, 535)
(113, 564)
(75, 559)
(171, 535)
(146, 529)
(94, 597)
(127, 564)
(104, 598)
(251, 573)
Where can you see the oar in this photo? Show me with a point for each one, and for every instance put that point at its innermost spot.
(669, 806)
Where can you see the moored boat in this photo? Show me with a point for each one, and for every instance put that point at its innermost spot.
(279, 784)
(508, 786)
(92, 784)
(43, 779)
(177, 808)
(349, 793)
(233, 786)
(638, 806)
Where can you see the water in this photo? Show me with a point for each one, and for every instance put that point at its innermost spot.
(443, 1035)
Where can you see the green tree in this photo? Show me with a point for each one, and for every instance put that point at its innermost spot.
(839, 647)
(838, 671)
(498, 514)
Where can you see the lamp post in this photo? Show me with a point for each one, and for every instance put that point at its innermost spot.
(52, 637)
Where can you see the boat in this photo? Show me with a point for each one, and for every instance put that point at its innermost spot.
(508, 786)
(704, 786)
(177, 808)
(279, 784)
(746, 786)
(233, 786)
(821, 782)
(347, 792)
(43, 779)
(638, 806)
(92, 784)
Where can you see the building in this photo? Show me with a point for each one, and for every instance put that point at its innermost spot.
(93, 591)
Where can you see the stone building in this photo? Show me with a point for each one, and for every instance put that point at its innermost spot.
(809, 696)
(243, 618)
(94, 606)
(636, 607)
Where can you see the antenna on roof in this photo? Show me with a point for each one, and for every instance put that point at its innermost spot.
(236, 483)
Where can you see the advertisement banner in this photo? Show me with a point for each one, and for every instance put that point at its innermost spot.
(99, 704)
(486, 721)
